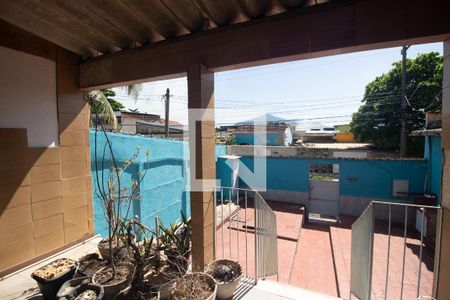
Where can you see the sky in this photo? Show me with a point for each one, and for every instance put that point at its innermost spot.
(309, 93)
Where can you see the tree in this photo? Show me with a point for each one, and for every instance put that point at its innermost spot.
(378, 119)
(109, 94)
(103, 104)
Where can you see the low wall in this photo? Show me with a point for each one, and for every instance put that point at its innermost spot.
(360, 180)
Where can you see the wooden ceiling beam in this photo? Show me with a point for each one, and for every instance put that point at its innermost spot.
(221, 12)
(291, 4)
(91, 21)
(187, 13)
(154, 13)
(42, 28)
(332, 28)
(68, 24)
(255, 9)
(118, 16)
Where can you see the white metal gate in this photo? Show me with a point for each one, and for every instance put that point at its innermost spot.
(324, 198)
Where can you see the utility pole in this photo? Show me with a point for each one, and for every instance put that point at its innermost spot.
(167, 99)
(403, 131)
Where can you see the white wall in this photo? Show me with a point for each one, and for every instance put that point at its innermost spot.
(28, 96)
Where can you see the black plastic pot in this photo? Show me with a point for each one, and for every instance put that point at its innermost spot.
(50, 287)
(78, 285)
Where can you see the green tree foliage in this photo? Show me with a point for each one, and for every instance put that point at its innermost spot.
(104, 105)
(378, 119)
(109, 94)
(231, 140)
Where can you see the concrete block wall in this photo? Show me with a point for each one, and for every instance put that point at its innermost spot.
(163, 189)
(45, 192)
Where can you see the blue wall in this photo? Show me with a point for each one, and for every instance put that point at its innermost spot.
(433, 155)
(163, 189)
(358, 178)
(272, 139)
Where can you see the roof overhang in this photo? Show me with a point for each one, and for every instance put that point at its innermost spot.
(124, 42)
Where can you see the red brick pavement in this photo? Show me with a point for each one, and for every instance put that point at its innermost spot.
(306, 263)
(341, 242)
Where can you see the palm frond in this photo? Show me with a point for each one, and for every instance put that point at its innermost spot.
(133, 90)
(106, 112)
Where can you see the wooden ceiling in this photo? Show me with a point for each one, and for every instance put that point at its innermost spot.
(95, 27)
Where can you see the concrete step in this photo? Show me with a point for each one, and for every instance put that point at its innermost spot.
(272, 290)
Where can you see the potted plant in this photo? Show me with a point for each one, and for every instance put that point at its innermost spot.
(113, 279)
(80, 288)
(143, 254)
(162, 274)
(227, 274)
(52, 276)
(115, 199)
(174, 246)
(89, 264)
(193, 286)
(175, 241)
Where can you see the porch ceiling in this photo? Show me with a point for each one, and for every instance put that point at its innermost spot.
(92, 28)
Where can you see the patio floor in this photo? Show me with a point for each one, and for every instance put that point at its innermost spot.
(297, 246)
(341, 242)
(316, 257)
(313, 260)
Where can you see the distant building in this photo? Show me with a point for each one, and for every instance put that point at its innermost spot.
(274, 134)
(326, 135)
(127, 120)
(338, 133)
(145, 124)
(156, 129)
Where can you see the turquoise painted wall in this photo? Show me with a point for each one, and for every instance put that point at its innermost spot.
(163, 189)
(272, 139)
(433, 155)
(358, 178)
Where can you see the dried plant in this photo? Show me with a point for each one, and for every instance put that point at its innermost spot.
(175, 241)
(115, 197)
(139, 239)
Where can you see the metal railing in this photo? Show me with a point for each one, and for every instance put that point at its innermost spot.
(246, 231)
(408, 226)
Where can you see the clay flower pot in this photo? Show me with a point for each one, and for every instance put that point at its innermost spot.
(225, 286)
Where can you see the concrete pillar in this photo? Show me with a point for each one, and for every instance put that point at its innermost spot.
(443, 274)
(202, 162)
